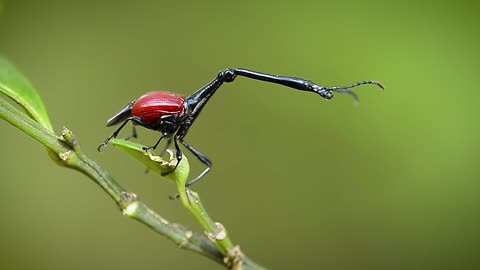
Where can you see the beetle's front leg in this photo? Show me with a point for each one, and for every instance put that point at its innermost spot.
(167, 125)
(178, 156)
(146, 148)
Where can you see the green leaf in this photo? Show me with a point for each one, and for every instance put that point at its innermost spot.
(156, 163)
(14, 85)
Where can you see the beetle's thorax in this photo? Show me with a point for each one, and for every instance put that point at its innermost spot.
(169, 124)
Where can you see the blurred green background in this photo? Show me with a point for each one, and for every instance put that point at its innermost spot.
(298, 181)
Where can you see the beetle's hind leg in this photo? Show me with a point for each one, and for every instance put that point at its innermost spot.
(134, 134)
(202, 158)
(167, 145)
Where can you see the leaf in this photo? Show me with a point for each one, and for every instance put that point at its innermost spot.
(14, 85)
(156, 163)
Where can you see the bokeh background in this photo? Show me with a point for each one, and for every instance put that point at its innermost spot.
(298, 181)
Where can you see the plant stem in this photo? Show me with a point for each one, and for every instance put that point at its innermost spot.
(215, 231)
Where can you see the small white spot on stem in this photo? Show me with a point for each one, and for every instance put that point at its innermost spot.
(65, 155)
(130, 209)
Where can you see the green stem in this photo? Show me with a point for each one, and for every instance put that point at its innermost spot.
(19, 119)
(215, 231)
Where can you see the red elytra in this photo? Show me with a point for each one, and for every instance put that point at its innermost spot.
(152, 105)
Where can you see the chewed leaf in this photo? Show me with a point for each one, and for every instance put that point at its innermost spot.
(155, 163)
(14, 85)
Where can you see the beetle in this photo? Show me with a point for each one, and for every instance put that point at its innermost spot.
(173, 114)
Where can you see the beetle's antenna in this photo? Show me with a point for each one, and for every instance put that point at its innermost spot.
(340, 88)
(344, 89)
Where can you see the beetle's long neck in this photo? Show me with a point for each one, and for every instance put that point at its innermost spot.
(197, 100)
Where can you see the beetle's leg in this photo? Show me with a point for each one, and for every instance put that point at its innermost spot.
(178, 153)
(178, 156)
(114, 134)
(167, 125)
(134, 134)
(145, 148)
(201, 157)
(164, 149)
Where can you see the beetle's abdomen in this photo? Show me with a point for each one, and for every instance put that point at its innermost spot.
(153, 105)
